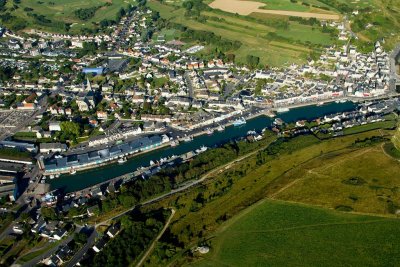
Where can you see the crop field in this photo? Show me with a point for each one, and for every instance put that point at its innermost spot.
(64, 11)
(276, 233)
(285, 8)
(291, 47)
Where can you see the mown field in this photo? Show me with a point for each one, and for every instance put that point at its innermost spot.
(275, 233)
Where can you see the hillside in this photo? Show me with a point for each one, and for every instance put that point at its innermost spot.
(282, 32)
(72, 16)
(275, 233)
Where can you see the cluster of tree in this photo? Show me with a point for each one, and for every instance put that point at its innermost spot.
(89, 48)
(70, 131)
(2, 4)
(370, 141)
(40, 19)
(6, 73)
(194, 7)
(86, 13)
(339, 5)
(12, 22)
(282, 145)
(310, 21)
(138, 231)
(252, 61)
(207, 37)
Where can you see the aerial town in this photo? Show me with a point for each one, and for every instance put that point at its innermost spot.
(94, 100)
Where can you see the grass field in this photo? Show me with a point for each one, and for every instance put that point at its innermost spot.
(275, 233)
(363, 180)
(63, 11)
(308, 171)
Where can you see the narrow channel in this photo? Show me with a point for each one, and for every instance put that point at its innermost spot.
(91, 177)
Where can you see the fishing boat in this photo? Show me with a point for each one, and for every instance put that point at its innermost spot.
(320, 104)
(122, 160)
(201, 149)
(187, 138)
(174, 143)
(210, 131)
(220, 128)
(282, 110)
(72, 171)
(239, 122)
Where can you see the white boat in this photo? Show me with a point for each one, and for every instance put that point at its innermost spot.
(187, 138)
(72, 171)
(220, 128)
(201, 149)
(239, 122)
(210, 131)
(282, 110)
(320, 104)
(122, 160)
(251, 133)
(174, 143)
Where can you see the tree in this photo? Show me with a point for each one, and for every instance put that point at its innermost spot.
(252, 61)
(396, 139)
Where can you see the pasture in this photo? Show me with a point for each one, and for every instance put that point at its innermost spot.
(276, 233)
(362, 180)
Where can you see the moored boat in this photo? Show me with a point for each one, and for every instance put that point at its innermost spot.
(220, 128)
(282, 110)
(122, 160)
(239, 122)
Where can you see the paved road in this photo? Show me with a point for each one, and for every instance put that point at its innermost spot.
(78, 256)
(35, 261)
(150, 249)
(189, 84)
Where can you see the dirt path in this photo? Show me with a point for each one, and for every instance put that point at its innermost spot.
(247, 7)
(148, 252)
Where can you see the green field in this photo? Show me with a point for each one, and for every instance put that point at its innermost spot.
(63, 11)
(363, 180)
(350, 173)
(275, 233)
(294, 43)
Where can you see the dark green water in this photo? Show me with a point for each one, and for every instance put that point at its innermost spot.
(91, 177)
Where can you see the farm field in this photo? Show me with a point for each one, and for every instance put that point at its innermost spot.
(285, 8)
(276, 233)
(296, 41)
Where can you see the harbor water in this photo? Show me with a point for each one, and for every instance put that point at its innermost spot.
(91, 177)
